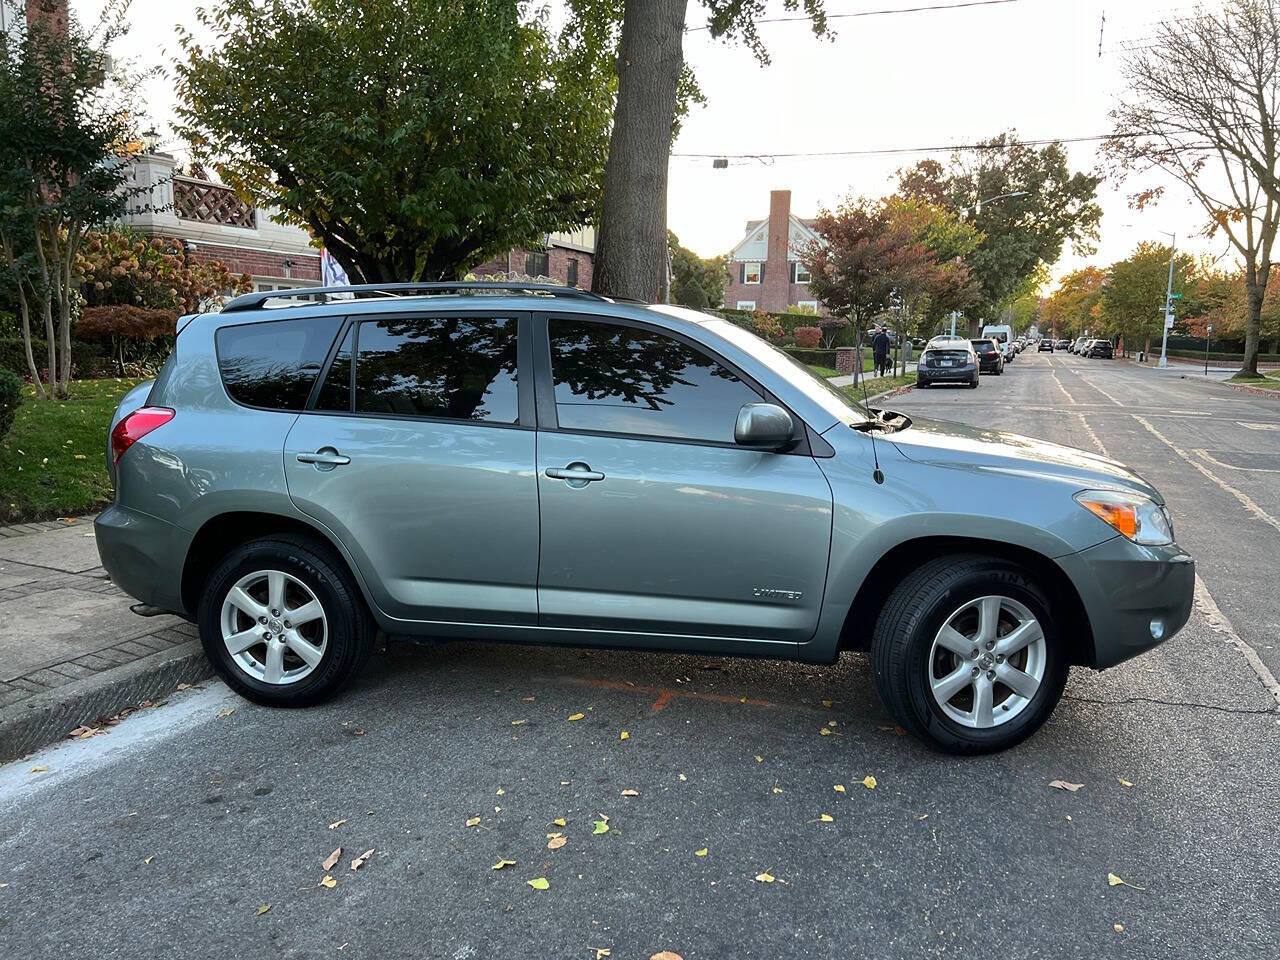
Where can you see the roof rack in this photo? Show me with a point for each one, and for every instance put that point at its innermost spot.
(257, 301)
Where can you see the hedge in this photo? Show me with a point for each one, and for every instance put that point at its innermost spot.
(1214, 355)
(817, 357)
(88, 359)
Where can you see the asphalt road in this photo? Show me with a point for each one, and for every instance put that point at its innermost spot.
(167, 836)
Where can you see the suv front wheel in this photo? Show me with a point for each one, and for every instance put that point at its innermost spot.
(283, 622)
(966, 656)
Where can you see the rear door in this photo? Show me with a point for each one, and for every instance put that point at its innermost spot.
(417, 451)
(653, 519)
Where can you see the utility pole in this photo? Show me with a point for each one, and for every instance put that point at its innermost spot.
(1168, 304)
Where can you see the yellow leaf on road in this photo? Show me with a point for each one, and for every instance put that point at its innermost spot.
(602, 952)
(1123, 782)
(700, 853)
(765, 877)
(759, 759)
(226, 711)
(600, 827)
(1114, 881)
(630, 793)
(328, 882)
(337, 823)
(516, 723)
(869, 782)
(331, 859)
(1064, 785)
(838, 788)
(263, 909)
(577, 716)
(1118, 927)
(148, 859)
(827, 703)
(473, 822)
(359, 861)
(624, 735)
(39, 769)
(556, 842)
(503, 863)
(826, 818)
(825, 732)
(538, 883)
(558, 821)
(501, 792)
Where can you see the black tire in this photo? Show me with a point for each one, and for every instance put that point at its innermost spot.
(973, 384)
(904, 634)
(999, 369)
(921, 384)
(351, 630)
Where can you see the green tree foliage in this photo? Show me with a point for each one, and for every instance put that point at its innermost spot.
(66, 131)
(1131, 305)
(1069, 311)
(413, 138)
(697, 282)
(950, 285)
(1022, 235)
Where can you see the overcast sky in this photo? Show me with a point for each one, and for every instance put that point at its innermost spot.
(907, 80)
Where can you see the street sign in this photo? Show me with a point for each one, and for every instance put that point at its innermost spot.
(1168, 322)
(1175, 296)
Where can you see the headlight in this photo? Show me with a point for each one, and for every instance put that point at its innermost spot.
(1139, 518)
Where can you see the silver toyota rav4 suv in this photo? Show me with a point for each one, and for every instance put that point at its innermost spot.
(499, 462)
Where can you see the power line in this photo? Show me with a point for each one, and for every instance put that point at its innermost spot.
(893, 151)
(876, 13)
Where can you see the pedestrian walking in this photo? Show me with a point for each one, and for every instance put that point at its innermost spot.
(880, 352)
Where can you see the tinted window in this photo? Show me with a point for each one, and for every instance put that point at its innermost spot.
(456, 368)
(274, 364)
(628, 380)
(335, 392)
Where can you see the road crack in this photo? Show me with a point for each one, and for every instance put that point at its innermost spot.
(1172, 703)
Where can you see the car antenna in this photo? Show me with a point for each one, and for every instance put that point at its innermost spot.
(877, 475)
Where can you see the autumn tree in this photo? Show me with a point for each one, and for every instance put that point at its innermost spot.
(1203, 107)
(1068, 310)
(1131, 304)
(1022, 235)
(414, 138)
(654, 85)
(66, 132)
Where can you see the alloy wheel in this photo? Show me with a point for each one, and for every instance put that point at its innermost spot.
(987, 662)
(274, 627)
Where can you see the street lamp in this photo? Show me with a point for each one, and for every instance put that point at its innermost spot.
(1168, 301)
(977, 209)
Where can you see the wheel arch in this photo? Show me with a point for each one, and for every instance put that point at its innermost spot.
(899, 560)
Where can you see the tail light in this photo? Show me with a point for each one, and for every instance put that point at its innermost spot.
(134, 426)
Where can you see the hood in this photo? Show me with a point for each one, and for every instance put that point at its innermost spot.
(955, 444)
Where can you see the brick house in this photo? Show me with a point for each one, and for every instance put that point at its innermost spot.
(764, 268)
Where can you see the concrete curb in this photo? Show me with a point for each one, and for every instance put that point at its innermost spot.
(48, 717)
(890, 394)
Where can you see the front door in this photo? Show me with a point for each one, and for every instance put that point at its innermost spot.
(415, 453)
(653, 520)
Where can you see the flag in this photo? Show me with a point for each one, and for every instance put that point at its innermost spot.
(331, 272)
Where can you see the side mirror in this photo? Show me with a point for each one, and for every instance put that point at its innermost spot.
(763, 425)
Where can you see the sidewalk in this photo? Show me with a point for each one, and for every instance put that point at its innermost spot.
(70, 649)
(847, 379)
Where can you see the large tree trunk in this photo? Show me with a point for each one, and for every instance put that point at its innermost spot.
(1255, 287)
(975, 328)
(630, 249)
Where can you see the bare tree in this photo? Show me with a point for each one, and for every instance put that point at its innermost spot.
(1203, 106)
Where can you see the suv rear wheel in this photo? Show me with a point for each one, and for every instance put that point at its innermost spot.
(283, 622)
(966, 656)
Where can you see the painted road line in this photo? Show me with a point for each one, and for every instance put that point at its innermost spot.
(1258, 426)
(1219, 623)
(1245, 500)
(1097, 442)
(1206, 455)
(1070, 399)
(1101, 391)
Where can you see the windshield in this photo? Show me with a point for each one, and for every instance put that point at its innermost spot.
(830, 397)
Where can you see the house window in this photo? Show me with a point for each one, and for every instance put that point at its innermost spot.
(799, 274)
(746, 304)
(751, 273)
(809, 306)
(571, 272)
(536, 265)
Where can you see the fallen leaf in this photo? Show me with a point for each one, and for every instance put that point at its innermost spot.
(1123, 782)
(683, 777)
(759, 759)
(923, 816)
(577, 716)
(624, 735)
(528, 699)
(827, 703)
(602, 952)
(473, 822)
(263, 909)
(666, 955)
(503, 863)
(40, 768)
(838, 788)
(824, 732)
(869, 782)
(777, 789)
(1114, 881)
(555, 843)
(630, 793)
(226, 711)
(516, 723)
(765, 877)
(1064, 785)
(331, 859)
(328, 882)
(700, 853)
(1068, 818)
(558, 821)
(500, 792)
(337, 823)
(1118, 927)
(826, 818)
(148, 859)
(538, 883)
(600, 827)
(359, 861)
(832, 723)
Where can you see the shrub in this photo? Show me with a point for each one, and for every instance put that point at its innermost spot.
(87, 359)
(766, 325)
(807, 337)
(10, 399)
(129, 330)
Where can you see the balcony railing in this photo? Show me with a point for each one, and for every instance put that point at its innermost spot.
(207, 202)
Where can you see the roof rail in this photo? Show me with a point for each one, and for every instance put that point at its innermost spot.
(256, 301)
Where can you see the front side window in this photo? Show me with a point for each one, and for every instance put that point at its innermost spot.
(751, 273)
(274, 364)
(620, 379)
(450, 368)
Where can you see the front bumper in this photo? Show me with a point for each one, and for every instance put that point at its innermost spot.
(144, 556)
(1134, 596)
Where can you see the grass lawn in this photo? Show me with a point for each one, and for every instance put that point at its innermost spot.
(52, 463)
(879, 385)
(1270, 381)
(823, 371)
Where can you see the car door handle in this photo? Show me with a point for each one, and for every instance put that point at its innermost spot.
(327, 457)
(574, 472)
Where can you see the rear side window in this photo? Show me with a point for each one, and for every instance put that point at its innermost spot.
(275, 363)
(447, 368)
(620, 379)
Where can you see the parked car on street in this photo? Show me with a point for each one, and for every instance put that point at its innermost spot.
(1100, 349)
(1063, 345)
(542, 465)
(947, 360)
(1079, 344)
(1045, 346)
(990, 356)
